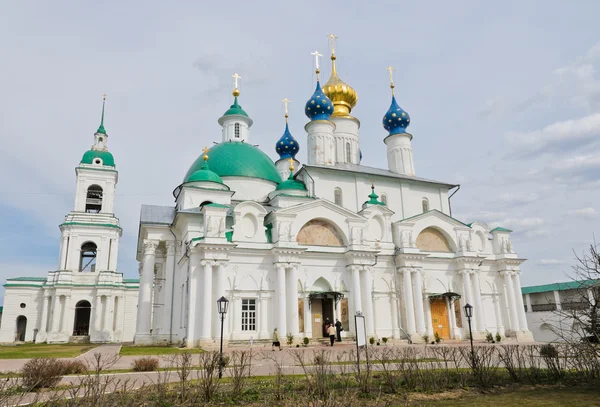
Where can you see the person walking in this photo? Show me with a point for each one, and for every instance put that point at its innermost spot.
(331, 332)
(338, 329)
(276, 342)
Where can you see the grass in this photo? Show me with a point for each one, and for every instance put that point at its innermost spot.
(155, 350)
(531, 397)
(42, 350)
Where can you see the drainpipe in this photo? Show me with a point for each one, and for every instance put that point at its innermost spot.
(449, 205)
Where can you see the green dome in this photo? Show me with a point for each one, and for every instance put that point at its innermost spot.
(204, 174)
(291, 183)
(235, 159)
(105, 156)
(235, 109)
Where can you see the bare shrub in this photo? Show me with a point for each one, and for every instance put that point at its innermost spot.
(319, 375)
(76, 366)
(483, 362)
(41, 372)
(145, 364)
(279, 380)
(555, 363)
(183, 364)
(240, 361)
(513, 359)
(208, 375)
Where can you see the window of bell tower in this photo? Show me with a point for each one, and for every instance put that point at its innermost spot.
(93, 200)
(237, 130)
(87, 260)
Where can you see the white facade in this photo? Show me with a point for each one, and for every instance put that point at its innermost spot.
(85, 299)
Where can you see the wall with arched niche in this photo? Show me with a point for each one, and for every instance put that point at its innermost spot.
(433, 240)
(319, 232)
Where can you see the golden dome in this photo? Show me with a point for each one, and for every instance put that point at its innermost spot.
(343, 96)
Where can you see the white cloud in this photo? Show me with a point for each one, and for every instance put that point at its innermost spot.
(586, 213)
(550, 262)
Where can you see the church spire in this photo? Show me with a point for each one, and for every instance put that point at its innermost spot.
(101, 128)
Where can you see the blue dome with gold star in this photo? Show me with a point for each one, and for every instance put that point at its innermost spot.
(287, 146)
(396, 120)
(319, 106)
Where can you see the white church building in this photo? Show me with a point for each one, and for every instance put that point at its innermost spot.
(292, 246)
(289, 244)
(85, 298)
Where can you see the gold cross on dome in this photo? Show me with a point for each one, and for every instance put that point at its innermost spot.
(235, 77)
(286, 101)
(205, 150)
(391, 72)
(291, 161)
(332, 38)
(104, 96)
(316, 55)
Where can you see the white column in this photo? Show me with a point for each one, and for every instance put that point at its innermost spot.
(512, 306)
(394, 309)
(220, 292)
(367, 297)
(207, 308)
(55, 313)
(144, 311)
(429, 328)
(478, 309)
(409, 302)
(308, 318)
(44, 320)
(292, 295)
(119, 309)
(263, 321)
(499, 324)
(73, 253)
(418, 296)
(466, 280)
(67, 317)
(114, 253)
(557, 300)
(63, 253)
(281, 302)
(168, 286)
(451, 318)
(519, 297)
(356, 301)
(528, 302)
(109, 314)
(97, 313)
(193, 303)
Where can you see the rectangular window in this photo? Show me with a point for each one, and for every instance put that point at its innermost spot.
(248, 314)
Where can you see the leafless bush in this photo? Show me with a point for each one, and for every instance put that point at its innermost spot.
(208, 375)
(391, 376)
(362, 371)
(277, 372)
(145, 364)
(71, 367)
(318, 374)
(41, 372)
(239, 370)
(483, 362)
(183, 363)
(513, 359)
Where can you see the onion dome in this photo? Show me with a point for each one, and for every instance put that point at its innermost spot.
(291, 183)
(287, 146)
(396, 120)
(343, 96)
(98, 157)
(373, 198)
(204, 174)
(235, 108)
(318, 107)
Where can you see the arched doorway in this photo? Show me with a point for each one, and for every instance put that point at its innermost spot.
(21, 328)
(322, 302)
(81, 327)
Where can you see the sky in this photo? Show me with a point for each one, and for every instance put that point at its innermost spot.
(504, 99)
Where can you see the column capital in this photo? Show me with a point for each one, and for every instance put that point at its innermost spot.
(150, 246)
(171, 246)
(222, 263)
(506, 273)
(354, 267)
(208, 262)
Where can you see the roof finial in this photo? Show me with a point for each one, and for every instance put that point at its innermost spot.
(332, 38)
(285, 102)
(316, 55)
(291, 161)
(205, 150)
(391, 72)
(236, 91)
(101, 128)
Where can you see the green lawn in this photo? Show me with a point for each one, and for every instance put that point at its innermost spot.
(533, 397)
(155, 350)
(41, 350)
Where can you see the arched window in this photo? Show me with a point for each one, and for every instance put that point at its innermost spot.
(81, 325)
(337, 196)
(237, 130)
(425, 204)
(384, 199)
(348, 154)
(93, 200)
(87, 261)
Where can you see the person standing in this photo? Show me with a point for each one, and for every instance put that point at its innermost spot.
(338, 329)
(276, 341)
(331, 332)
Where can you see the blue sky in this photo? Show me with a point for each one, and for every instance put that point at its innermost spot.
(504, 99)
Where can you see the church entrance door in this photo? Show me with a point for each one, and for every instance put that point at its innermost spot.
(21, 328)
(439, 318)
(81, 326)
(321, 310)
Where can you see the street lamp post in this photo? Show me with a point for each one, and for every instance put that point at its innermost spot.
(469, 314)
(222, 304)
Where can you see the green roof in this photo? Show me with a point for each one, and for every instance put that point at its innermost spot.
(373, 198)
(568, 285)
(27, 279)
(90, 155)
(217, 205)
(235, 109)
(1, 309)
(205, 174)
(291, 183)
(131, 280)
(237, 159)
(500, 229)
